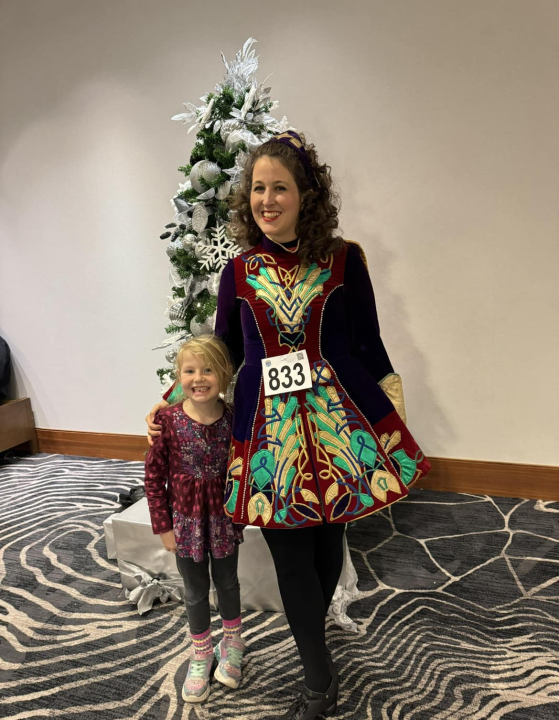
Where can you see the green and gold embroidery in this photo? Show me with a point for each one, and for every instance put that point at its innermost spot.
(259, 505)
(277, 467)
(289, 294)
(234, 471)
(408, 465)
(253, 262)
(356, 468)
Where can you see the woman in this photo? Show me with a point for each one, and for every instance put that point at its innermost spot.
(319, 435)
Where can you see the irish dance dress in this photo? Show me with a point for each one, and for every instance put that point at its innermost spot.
(338, 450)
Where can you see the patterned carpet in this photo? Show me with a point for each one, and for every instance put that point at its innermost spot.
(458, 617)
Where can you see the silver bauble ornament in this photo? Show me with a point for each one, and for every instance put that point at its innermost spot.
(205, 169)
(172, 248)
(210, 171)
(203, 328)
(171, 355)
(177, 314)
(188, 242)
(196, 328)
(227, 128)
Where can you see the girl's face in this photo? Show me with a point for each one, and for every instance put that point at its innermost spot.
(274, 199)
(199, 382)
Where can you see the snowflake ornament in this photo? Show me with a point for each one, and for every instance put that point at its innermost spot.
(215, 255)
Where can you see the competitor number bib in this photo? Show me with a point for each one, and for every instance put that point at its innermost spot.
(286, 373)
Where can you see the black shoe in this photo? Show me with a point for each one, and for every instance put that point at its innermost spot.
(310, 705)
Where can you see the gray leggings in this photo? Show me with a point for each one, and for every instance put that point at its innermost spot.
(196, 578)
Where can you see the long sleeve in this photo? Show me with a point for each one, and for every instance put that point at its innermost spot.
(362, 319)
(228, 318)
(361, 314)
(157, 478)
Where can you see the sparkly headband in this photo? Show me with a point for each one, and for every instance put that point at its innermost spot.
(293, 140)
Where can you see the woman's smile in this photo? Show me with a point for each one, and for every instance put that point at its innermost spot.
(275, 200)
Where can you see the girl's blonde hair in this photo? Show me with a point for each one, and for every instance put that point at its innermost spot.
(215, 354)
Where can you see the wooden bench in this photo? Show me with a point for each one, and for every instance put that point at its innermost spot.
(17, 425)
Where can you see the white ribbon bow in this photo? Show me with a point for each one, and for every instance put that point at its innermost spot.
(149, 588)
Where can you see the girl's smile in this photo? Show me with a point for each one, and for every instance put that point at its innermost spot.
(199, 382)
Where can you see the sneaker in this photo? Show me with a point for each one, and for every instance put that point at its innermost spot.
(196, 687)
(230, 653)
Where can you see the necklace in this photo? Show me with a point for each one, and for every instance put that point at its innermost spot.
(285, 247)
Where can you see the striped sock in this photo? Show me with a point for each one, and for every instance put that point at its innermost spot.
(232, 628)
(202, 643)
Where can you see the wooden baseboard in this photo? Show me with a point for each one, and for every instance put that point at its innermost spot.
(89, 444)
(538, 482)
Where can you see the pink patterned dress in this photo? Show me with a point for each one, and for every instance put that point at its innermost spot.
(185, 481)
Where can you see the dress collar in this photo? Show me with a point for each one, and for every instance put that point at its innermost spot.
(271, 246)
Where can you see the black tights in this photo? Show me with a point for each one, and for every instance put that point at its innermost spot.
(308, 564)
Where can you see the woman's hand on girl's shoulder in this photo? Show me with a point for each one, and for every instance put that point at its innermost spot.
(153, 429)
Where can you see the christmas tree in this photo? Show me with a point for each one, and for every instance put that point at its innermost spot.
(233, 120)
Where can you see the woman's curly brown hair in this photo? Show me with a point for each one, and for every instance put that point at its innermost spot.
(318, 217)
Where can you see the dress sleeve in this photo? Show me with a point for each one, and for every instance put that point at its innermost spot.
(157, 478)
(362, 319)
(174, 393)
(228, 318)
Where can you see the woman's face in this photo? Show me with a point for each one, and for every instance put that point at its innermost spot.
(274, 199)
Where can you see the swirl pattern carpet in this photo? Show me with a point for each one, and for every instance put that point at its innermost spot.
(458, 616)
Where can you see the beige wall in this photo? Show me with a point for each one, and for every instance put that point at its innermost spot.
(440, 119)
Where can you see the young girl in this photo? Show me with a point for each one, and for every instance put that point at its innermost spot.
(185, 480)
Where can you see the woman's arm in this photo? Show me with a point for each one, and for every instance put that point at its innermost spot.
(154, 430)
(228, 318)
(361, 314)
